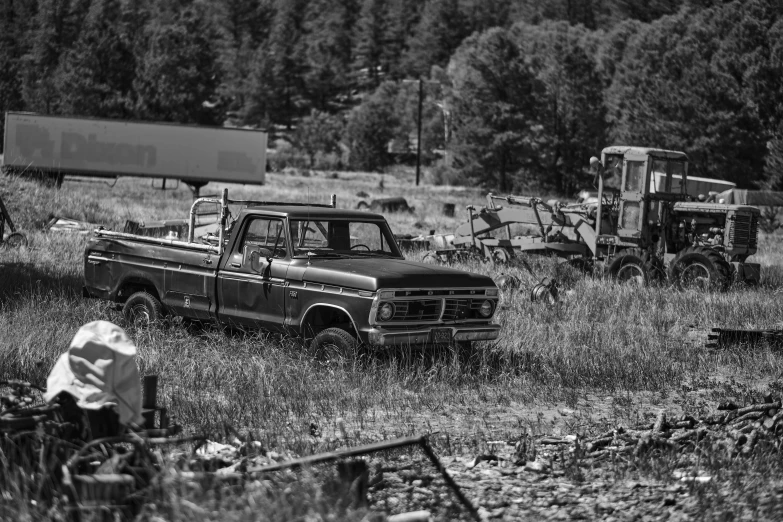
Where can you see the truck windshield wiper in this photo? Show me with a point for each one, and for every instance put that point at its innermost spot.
(384, 254)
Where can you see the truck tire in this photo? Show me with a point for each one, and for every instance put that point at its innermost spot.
(700, 268)
(634, 265)
(142, 309)
(334, 342)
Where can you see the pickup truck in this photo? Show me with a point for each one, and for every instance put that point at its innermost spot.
(331, 276)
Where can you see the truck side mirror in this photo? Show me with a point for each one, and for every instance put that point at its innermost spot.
(256, 257)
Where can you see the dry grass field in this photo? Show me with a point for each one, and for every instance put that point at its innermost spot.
(605, 356)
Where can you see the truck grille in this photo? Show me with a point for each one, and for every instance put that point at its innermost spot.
(745, 231)
(424, 310)
(460, 308)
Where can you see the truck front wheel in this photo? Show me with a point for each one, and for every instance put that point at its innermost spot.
(142, 309)
(334, 342)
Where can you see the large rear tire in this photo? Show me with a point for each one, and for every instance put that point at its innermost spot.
(700, 268)
(142, 309)
(634, 266)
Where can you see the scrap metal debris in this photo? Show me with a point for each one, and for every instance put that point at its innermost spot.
(92, 433)
(14, 239)
(723, 338)
(394, 204)
(64, 224)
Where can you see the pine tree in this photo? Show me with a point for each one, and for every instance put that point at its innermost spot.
(13, 14)
(439, 32)
(571, 110)
(327, 51)
(371, 126)
(368, 47)
(401, 20)
(493, 103)
(55, 29)
(703, 84)
(177, 72)
(286, 59)
(96, 76)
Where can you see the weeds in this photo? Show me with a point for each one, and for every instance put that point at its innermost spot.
(633, 346)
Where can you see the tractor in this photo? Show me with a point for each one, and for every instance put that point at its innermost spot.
(647, 230)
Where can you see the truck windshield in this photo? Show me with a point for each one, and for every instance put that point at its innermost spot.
(344, 237)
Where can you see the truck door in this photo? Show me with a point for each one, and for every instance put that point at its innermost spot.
(633, 203)
(251, 282)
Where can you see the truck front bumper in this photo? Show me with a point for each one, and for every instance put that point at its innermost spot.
(433, 335)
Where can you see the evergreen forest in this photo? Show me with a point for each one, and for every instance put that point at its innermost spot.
(514, 93)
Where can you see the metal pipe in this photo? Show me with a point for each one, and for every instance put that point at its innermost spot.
(372, 448)
(192, 220)
(600, 208)
(156, 240)
(470, 209)
(418, 139)
(337, 455)
(425, 446)
(333, 202)
(223, 219)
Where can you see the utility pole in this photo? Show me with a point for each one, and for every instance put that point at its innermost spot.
(418, 132)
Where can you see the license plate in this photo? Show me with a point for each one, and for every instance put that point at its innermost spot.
(441, 335)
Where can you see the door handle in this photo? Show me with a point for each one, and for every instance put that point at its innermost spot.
(236, 265)
(206, 261)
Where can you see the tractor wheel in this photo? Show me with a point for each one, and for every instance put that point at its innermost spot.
(700, 268)
(634, 266)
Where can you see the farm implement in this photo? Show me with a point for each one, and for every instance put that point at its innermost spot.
(648, 230)
(14, 239)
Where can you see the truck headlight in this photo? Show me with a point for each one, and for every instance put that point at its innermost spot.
(486, 309)
(385, 311)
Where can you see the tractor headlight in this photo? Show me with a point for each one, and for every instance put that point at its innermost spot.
(486, 309)
(385, 311)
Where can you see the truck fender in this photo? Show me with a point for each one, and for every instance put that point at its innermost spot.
(310, 308)
(136, 280)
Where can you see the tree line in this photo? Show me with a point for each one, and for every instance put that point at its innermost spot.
(517, 93)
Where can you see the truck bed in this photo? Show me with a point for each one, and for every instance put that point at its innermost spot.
(127, 261)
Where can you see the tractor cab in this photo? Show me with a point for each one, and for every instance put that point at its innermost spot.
(648, 179)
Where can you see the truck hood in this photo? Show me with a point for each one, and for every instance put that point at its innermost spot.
(373, 274)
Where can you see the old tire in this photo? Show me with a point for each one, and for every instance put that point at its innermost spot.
(700, 268)
(634, 266)
(142, 309)
(501, 256)
(334, 342)
(16, 240)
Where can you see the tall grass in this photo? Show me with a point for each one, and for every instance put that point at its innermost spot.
(610, 351)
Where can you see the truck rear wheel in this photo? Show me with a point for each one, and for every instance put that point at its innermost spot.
(700, 268)
(142, 309)
(334, 342)
(634, 266)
